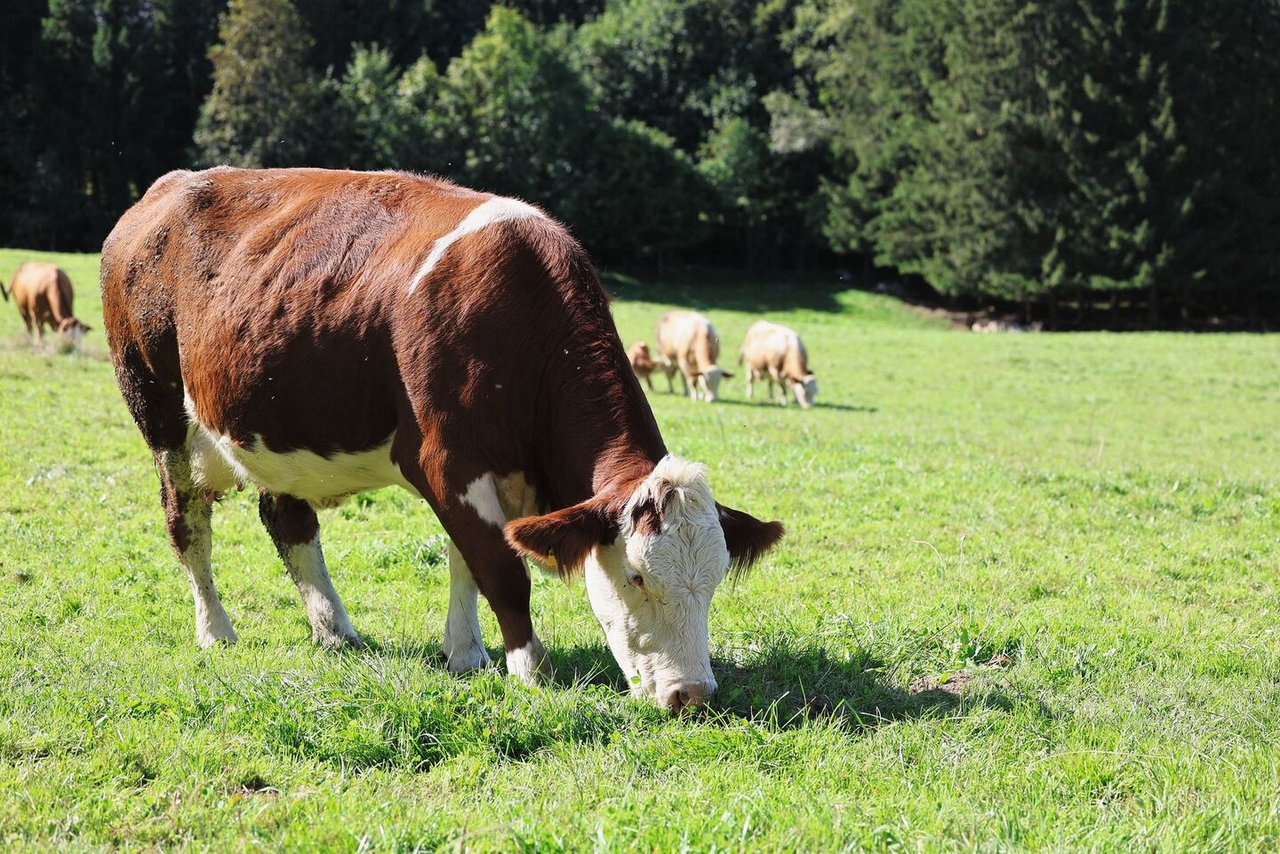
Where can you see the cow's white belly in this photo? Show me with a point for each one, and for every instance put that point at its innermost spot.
(218, 464)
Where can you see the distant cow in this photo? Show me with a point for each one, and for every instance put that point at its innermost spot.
(323, 333)
(991, 325)
(688, 343)
(776, 354)
(642, 362)
(44, 297)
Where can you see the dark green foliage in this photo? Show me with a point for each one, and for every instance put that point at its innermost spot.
(261, 109)
(682, 66)
(520, 120)
(97, 98)
(1036, 152)
(1083, 154)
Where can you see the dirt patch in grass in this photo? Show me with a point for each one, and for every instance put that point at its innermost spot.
(954, 684)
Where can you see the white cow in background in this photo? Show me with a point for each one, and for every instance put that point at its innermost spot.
(776, 354)
(688, 342)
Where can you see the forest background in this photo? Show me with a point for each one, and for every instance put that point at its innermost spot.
(1089, 162)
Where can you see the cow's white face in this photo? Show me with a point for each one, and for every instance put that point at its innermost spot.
(651, 588)
(652, 564)
(708, 382)
(72, 331)
(805, 391)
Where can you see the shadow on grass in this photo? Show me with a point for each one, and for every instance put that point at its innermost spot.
(53, 345)
(787, 686)
(713, 290)
(764, 404)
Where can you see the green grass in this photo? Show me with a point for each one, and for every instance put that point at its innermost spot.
(1028, 601)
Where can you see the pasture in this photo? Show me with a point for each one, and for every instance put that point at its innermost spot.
(1028, 600)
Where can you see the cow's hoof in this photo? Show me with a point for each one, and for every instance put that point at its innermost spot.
(467, 660)
(209, 639)
(336, 641)
(530, 664)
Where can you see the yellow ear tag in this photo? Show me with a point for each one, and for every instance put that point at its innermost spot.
(551, 561)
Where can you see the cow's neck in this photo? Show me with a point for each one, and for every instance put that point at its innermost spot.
(597, 448)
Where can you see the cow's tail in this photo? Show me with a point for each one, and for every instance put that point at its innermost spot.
(3, 292)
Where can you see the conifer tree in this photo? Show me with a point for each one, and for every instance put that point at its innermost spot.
(260, 112)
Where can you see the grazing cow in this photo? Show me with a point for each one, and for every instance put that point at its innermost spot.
(776, 354)
(688, 342)
(990, 325)
(323, 333)
(642, 362)
(44, 297)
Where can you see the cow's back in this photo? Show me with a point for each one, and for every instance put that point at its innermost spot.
(795, 361)
(758, 347)
(33, 282)
(687, 335)
(316, 309)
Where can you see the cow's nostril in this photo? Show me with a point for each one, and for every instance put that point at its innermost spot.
(690, 696)
(676, 701)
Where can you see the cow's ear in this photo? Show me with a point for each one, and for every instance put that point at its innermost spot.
(746, 536)
(564, 539)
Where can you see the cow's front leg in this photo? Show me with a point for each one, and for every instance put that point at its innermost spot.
(463, 645)
(474, 522)
(688, 379)
(295, 531)
(775, 376)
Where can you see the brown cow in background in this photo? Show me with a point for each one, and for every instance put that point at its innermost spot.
(44, 297)
(642, 362)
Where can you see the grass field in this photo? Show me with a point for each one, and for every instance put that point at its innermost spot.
(1028, 601)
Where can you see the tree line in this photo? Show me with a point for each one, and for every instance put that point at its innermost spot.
(1072, 157)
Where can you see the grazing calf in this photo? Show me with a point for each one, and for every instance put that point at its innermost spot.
(776, 354)
(322, 333)
(688, 342)
(44, 297)
(642, 362)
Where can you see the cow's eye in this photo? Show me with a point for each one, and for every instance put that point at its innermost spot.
(635, 579)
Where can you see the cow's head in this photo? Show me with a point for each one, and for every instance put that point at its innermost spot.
(805, 390)
(708, 382)
(641, 358)
(72, 330)
(653, 559)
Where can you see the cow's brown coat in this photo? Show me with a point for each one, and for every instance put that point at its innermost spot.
(43, 294)
(642, 362)
(278, 299)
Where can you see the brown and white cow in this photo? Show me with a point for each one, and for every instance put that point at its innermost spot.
(44, 297)
(776, 354)
(642, 362)
(687, 342)
(322, 333)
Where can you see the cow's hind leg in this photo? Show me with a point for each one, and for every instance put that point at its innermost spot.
(295, 531)
(188, 512)
(463, 646)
